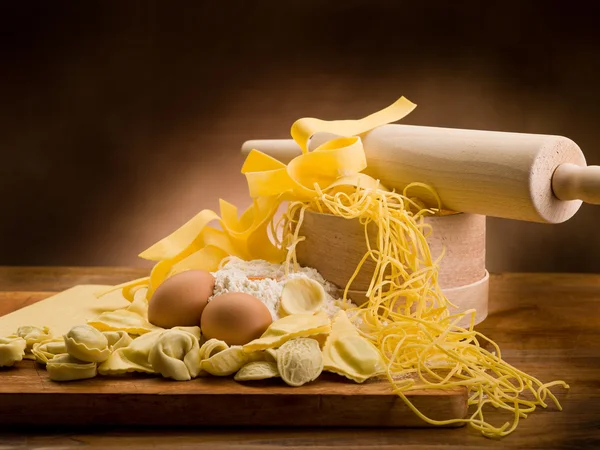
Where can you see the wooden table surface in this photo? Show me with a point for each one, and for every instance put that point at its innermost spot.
(546, 324)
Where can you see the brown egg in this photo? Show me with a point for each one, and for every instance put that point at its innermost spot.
(181, 299)
(236, 318)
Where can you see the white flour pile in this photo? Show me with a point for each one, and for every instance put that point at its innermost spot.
(236, 276)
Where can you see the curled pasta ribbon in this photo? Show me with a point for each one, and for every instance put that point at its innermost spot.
(198, 245)
(330, 161)
(304, 129)
(337, 158)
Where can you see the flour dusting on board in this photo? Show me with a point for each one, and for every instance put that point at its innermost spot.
(265, 281)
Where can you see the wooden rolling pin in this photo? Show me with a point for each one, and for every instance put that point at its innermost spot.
(533, 177)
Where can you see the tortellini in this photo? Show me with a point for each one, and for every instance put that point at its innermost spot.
(117, 339)
(176, 354)
(66, 368)
(290, 327)
(136, 356)
(45, 351)
(87, 344)
(299, 361)
(12, 350)
(33, 335)
(133, 358)
(349, 354)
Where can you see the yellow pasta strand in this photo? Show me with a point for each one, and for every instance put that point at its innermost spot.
(409, 318)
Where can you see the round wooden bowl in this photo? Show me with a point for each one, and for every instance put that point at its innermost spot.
(334, 246)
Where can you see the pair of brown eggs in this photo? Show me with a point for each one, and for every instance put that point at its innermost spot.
(182, 300)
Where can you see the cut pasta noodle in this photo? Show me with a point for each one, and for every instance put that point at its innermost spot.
(409, 318)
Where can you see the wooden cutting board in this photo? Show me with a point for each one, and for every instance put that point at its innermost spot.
(29, 397)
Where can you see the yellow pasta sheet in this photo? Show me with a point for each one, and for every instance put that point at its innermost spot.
(63, 311)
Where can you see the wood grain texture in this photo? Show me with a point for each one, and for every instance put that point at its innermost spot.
(58, 279)
(546, 324)
(573, 182)
(335, 246)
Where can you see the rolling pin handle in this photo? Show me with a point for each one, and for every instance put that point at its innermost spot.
(573, 182)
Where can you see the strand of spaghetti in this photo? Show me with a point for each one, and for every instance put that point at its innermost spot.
(407, 314)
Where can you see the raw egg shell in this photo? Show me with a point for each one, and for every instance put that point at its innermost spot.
(236, 318)
(181, 299)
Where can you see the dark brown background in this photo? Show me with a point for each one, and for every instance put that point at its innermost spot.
(121, 120)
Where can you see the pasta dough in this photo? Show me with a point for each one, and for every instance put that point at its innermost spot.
(63, 311)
